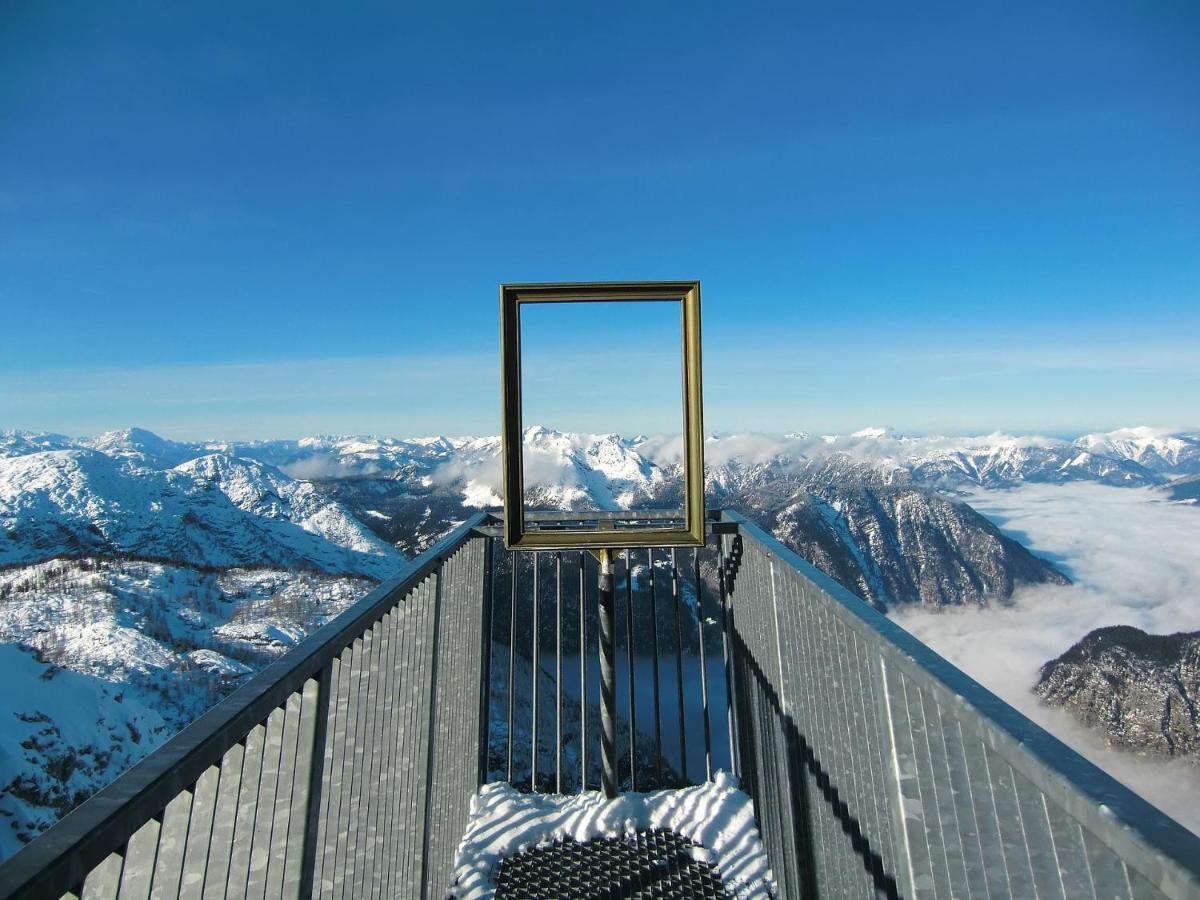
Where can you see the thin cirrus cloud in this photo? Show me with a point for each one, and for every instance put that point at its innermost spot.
(814, 383)
(1134, 559)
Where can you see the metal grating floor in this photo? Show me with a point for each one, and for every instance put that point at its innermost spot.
(654, 864)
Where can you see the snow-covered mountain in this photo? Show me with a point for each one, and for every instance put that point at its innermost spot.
(1161, 450)
(619, 470)
(104, 659)
(136, 590)
(213, 511)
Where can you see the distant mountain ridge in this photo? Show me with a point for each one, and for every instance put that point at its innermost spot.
(1126, 456)
(866, 508)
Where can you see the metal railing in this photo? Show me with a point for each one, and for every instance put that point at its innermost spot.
(673, 704)
(344, 769)
(879, 769)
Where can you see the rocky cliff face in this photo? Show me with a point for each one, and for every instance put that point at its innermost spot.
(1140, 691)
(883, 535)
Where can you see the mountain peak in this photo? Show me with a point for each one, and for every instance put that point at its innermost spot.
(875, 431)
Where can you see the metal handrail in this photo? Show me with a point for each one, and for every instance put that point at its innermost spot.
(1158, 849)
(58, 860)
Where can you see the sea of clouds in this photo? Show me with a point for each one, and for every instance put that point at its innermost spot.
(1134, 559)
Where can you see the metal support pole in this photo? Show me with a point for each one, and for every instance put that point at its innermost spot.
(608, 682)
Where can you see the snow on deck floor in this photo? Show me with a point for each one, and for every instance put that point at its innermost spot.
(716, 816)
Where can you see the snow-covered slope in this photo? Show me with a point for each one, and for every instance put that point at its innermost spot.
(62, 741)
(214, 511)
(102, 660)
(1158, 449)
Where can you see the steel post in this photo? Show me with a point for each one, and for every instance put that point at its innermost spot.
(608, 682)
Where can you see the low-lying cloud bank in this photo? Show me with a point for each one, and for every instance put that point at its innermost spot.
(1135, 560)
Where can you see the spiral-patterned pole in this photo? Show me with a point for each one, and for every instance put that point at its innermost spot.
(608, 681)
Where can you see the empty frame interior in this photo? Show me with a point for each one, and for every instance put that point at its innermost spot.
(609, 375)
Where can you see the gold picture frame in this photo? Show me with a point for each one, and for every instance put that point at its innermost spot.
(631, 534)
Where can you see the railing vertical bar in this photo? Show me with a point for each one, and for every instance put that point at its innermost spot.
(512, 658)
(364, 693)
(858, 738)
(631, 664)
(264, 756)
(1106, 869)
(558, 672)
(138, 870)
(1039, 841)
(247, 807)
(172, 841)
(220, 851)
(810, 718)
(765, 640)
(535, 670)
(200, 830)
(104, 881)
(349, 738)
(365, 837)
(452, 664)
(703, 661)
(774, 618)
(385, 780)
(372, 785)
(583, 692)
(338, 827)
(400, 730)
(408, 739)
(290, 761)
(658, 772)
(443, 732)
(947, 814)
(315, 712)
(418, 814)
(836, 734)
(922, 839)
(430, 752)
(488, 601)
(325, 823)
(275, 778)
(383, 749)
(725, 599)
(881, 836)
(264, 813)
(1012, 832)
(1069, 850)
(675, 602)
(193, 823)
(456, 730)
(798, 824)
(392, 762)
(957, 790)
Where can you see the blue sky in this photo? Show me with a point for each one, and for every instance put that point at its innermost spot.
(274, 221)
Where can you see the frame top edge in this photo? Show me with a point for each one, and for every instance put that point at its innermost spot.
(554, 287)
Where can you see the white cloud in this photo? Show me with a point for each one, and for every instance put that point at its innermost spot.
(1135, 560)
(328, 465)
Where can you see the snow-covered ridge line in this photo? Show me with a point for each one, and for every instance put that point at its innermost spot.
(617, 471)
